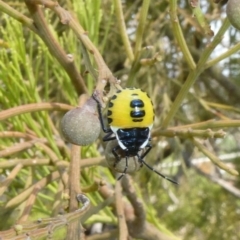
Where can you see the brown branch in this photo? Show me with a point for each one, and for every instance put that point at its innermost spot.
(27, 192)
(74, 230)
(189, 133)
(214, 158)
(228, 186)
(44, 161)
(55, 160)
(18, 147)
(45, 227)
(122, 226)
(136, 218)
(54, 47)
(17, 15)
(29, 204)
(34, 107)
(138, 227)
(15, 134)
(57, 207)
(104, 73)
(136, 223)
(110, 234)
(4, 184)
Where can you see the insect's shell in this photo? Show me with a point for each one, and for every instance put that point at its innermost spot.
(130, 108)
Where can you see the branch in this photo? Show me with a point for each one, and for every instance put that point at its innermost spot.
(33, 107)
(214, 158)
(189, 133)
(54, 47)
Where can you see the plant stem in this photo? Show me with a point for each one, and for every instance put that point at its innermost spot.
(227, 54)
(193, 74)
(141, 25)
(17, 15)
(177, 31)
(214, 158)
(123, 30)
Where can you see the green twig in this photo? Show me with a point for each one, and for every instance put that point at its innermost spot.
(54, 47)
(123, 30)
(141, 25)
(227, 54)
(202, 21)
(15, 201)
(46, 226)
(177, 31)
(17, 15)
(193, 75)
(34, 107)
(189, 133)
(214, 158)
(212, 124)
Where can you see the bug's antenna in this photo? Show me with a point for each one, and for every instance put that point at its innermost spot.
(163, 176)
(99, 106)
(125, 170)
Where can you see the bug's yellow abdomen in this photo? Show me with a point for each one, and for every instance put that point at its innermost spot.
(130, 108)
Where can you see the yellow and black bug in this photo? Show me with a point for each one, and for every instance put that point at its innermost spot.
(130, 117)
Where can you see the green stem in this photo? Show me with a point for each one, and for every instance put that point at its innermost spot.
(193, 74)
(181, 95)
(141, 25)
(214, 158)
(227, 54)
(17, 15)
(177, 31)
(211, 124)
(123, 30)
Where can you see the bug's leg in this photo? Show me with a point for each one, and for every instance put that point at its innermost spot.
(99, 106)
(125, 169)
(118, 159)
(146, 152)
(108, 137)
(151, 168)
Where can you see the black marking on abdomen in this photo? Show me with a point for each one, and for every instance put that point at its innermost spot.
(109, 113)
(109, 120)
(110, 104)
(137, 120)
(136, 103)
(137, 114)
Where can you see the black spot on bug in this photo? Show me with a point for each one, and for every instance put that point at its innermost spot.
(109, 120)
(118, 91)
(109, 113)
(137, 120)
(110, 104)
(136, 103)
(114, 97)
(137, 114)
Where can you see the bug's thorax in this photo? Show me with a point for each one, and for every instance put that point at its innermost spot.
(132, 139)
